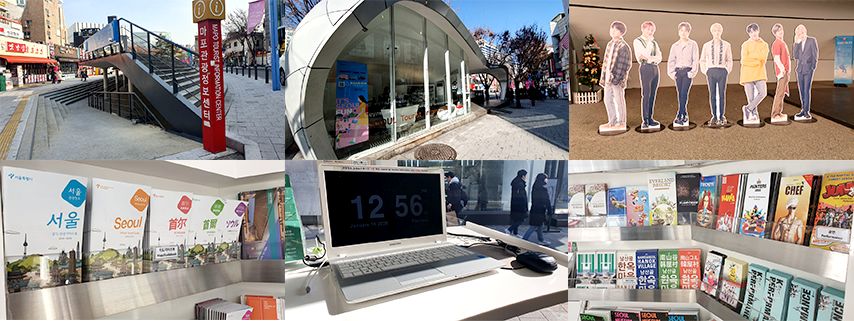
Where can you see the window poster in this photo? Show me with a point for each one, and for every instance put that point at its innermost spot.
(351, 104)
(842, 73)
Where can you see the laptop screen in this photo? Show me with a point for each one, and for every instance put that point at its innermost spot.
(371, 206)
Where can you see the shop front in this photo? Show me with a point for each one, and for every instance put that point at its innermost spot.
(68, 58)
(23, 62)
(349, 94)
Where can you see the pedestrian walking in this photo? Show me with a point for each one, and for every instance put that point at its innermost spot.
(453, 193)
(518, 202)
(532, 95)
(540, 206)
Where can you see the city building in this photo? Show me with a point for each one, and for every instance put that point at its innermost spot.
(368, 77)
(559, 27)
(10, 20)
(44, 22)
(80, 31)
(237, 53)
(23, 62)
(488, 48)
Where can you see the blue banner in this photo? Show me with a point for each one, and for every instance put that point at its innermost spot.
(351, 104)
(844, 60)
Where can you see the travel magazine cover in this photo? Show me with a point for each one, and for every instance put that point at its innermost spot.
(261, 236)
(616, 207)
(662, 198)
(757, 203)
(730, 202)
(577, 201)
(113, 239)
(834, 213)
(791, 217)
(596, 195)
(707, 207)
(43, 215)
(687, 193)
(168, 227)
(637, 212)
(712, 273)
(203, 228)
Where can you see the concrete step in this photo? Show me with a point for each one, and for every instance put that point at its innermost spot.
(58, 113)
(50, 117)
(65, 109)
(40, 133)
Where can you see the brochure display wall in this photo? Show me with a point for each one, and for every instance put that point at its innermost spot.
(762, 255)
(120, 195)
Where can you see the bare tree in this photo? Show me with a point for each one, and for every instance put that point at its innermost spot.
(236, 28)
(296, 10)
(501, 41)
(528, 52)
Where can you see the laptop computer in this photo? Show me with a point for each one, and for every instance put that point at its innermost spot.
(385, 231)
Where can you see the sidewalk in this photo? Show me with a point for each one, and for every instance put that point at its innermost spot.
(257, 113)
(539, 132)
(11, 106)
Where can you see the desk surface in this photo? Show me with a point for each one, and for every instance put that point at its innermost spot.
(499, 294)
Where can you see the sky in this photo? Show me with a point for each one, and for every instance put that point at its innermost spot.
(175, 17)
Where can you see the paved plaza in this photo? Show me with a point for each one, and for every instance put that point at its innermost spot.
(532, 132)
(256, 113)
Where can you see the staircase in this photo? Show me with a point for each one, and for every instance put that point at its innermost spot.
(186, 76)
(166, 84)
(52, 111)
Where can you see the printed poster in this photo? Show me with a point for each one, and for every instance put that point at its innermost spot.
(842, 64)
(292, 227)
(351, 104)
(43, 228)
(261, 237)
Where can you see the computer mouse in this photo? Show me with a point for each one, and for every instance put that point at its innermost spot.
(537, 261)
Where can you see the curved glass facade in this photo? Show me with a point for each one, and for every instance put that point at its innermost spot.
(401, 77)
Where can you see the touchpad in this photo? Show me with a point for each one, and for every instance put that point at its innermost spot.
(416, 274)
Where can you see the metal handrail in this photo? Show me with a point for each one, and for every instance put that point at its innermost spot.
(101, 52)
(92, 97)
(173, 70)
(174, 83)
(158, 36)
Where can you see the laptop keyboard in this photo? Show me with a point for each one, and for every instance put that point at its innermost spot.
(387, 262)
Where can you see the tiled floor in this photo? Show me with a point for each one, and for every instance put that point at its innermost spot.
(553, 313)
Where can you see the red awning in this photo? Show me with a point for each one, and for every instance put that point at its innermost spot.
(28, 60)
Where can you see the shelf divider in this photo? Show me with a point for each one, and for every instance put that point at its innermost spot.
(637, 233)
(831, 265)
(674, 296)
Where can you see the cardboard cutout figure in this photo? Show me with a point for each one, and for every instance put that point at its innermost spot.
(754, 53)
(682, 66)
(716, 64)
(648, 54)
(805, 52)
(615, 73)
(782, 67)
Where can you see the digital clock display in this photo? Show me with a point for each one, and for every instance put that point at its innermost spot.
(367, 207)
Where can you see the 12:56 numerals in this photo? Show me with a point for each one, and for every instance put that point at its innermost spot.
(399, 200)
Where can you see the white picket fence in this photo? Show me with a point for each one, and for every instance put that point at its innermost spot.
(587, 97)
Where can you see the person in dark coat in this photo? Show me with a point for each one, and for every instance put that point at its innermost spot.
(453, 193)
(518, 202)
(540, 206)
